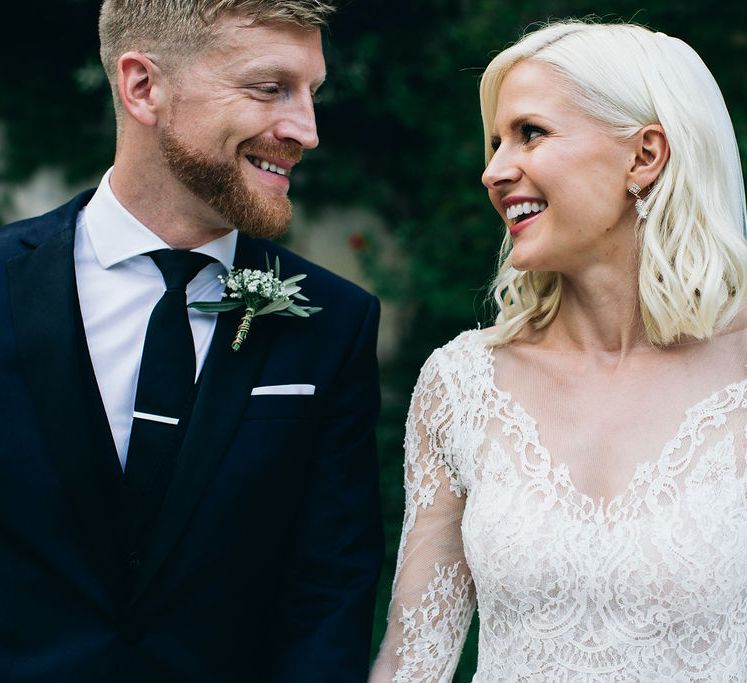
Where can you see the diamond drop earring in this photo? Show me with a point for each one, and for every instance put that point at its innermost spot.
(635, 190)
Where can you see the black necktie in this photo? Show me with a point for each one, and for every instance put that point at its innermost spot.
(163, 398)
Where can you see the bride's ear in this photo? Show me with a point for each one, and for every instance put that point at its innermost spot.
(651, 155)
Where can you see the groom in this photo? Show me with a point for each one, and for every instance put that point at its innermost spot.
(172, 509)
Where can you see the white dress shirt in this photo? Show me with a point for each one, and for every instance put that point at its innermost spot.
(118, 287)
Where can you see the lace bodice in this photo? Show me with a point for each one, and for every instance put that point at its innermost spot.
(645, 583)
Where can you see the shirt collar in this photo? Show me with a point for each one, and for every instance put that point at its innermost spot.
(116, 235)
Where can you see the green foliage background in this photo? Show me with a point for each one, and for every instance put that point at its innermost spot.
(401, 135)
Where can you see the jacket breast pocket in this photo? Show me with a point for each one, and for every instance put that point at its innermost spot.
(281, 407)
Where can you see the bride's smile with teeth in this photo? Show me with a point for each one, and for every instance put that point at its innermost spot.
(521, 210)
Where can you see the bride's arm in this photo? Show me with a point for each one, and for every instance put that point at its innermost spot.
(433, 596)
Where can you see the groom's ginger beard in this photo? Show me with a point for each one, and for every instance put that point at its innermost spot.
(222, 185)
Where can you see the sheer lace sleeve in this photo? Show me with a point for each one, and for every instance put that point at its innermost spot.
(433, 596)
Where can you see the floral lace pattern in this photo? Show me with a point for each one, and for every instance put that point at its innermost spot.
(651, 586)
(434, 627)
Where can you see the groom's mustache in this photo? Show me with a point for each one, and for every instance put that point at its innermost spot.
(281, 150)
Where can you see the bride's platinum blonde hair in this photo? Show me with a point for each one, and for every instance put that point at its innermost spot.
(692, 252)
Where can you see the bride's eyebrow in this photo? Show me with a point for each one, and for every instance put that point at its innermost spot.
(523, 119)
(516, 124)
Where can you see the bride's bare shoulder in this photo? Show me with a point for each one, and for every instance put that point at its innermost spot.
(491, 336)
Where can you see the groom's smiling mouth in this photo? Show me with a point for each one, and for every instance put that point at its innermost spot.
(271, 167)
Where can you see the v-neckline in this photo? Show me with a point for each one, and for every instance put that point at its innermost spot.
(623, 504)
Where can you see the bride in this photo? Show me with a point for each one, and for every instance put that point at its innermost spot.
(578, 469)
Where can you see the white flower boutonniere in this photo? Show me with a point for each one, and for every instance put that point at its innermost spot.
(259, 293)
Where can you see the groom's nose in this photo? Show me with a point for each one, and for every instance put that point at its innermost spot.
(299, 122)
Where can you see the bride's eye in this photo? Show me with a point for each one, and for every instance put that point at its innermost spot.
(530, 132)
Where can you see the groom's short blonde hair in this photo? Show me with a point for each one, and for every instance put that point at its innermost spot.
(178, 30)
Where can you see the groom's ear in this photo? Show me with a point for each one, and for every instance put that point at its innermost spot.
(142, 87)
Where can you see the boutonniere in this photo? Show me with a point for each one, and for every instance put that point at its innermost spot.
(259, 293)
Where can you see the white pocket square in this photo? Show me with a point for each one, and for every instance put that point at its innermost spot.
(285, 389)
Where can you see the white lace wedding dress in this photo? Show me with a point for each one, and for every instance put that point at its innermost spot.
(597, 517)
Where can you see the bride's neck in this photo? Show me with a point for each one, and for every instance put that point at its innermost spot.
(598, 315)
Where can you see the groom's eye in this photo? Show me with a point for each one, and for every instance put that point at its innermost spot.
(266, 90)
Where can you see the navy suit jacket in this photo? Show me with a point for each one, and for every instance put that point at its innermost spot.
(267, 549)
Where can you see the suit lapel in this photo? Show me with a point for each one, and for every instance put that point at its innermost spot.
(220, 403)
(46, 319)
